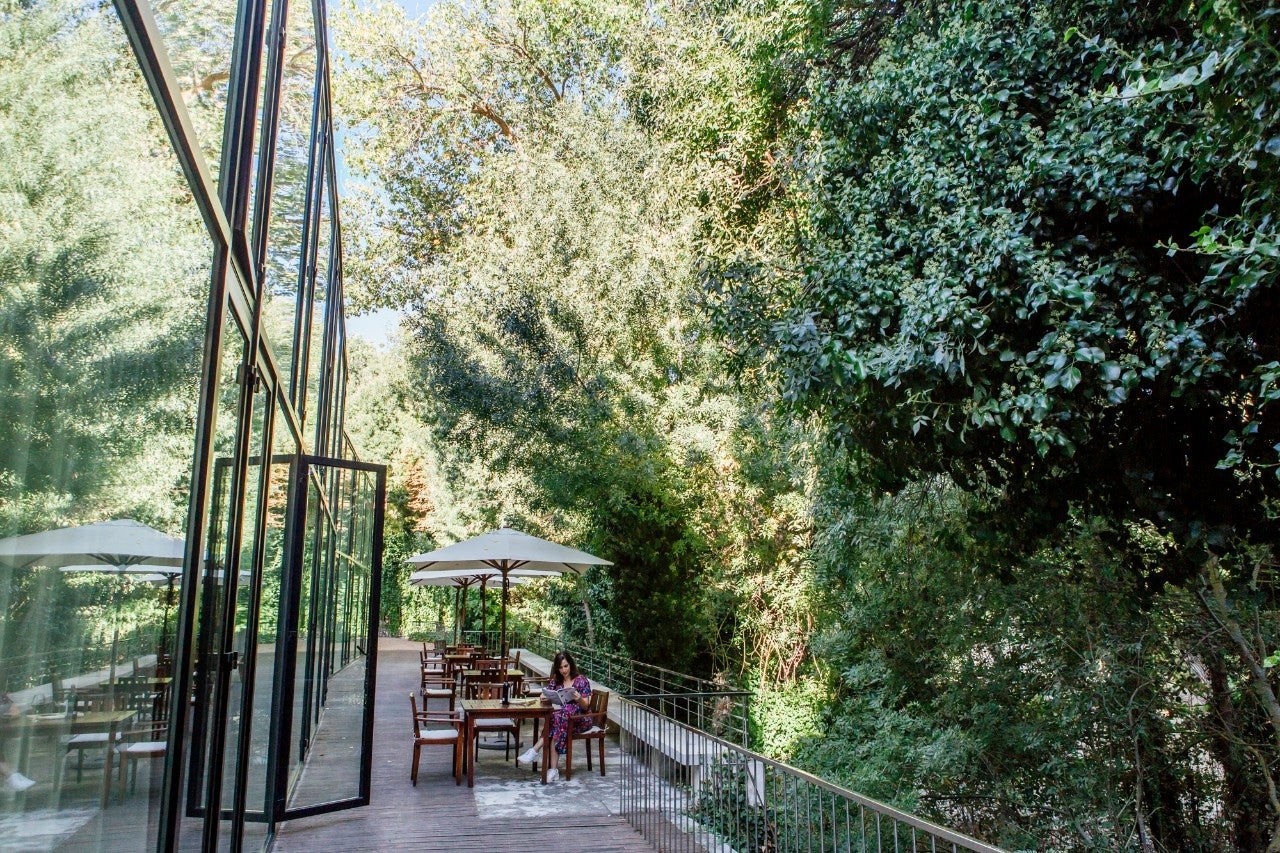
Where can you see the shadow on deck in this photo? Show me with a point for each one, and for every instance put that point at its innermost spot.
(507, 810)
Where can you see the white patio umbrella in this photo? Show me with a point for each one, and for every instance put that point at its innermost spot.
(115, 546)
(124, 542)
(463, 579)
(505, 550)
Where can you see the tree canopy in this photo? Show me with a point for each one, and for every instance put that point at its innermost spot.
(912, 361)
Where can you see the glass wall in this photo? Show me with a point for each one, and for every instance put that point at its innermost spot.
(160, 379)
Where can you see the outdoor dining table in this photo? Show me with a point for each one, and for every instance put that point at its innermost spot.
(87, 722)
(516, 709)
(453, 663)
(512, 675)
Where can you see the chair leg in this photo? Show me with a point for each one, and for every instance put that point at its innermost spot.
(588, 755)
(568, 757)
(601, 741)
(417, 753)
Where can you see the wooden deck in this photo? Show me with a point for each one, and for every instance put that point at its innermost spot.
(507, 810)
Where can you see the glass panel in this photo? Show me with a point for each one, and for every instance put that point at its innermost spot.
(213, 579)
(288, 192)
(102, 307)
(258, 791)
(336, 706)
(312, 547)
(198, 36)
(314, 417)
(247, 711)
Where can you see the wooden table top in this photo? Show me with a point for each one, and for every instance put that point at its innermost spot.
(511, 673)
(516, 707)
(84, 720)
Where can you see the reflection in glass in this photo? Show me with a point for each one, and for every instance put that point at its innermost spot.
(288, 191)
(330, 697)
(198, 35)
(313, 417)
(211, 606)
(103, 283)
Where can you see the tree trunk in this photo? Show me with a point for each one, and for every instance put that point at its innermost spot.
(1246, 820)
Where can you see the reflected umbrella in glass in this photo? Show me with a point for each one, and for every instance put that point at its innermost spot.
(109, 546)
(153, 575)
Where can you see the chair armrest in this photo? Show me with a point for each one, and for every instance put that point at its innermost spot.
(598, 718)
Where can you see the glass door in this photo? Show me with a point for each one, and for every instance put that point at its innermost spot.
(323, 738)
(288, 639)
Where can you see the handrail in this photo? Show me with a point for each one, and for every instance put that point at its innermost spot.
(690, 790)
(716, 708)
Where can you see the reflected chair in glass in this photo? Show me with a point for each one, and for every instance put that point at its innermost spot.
(149, 741)
(507, 726)
(86, 702)
(423, 736)
(598, 715)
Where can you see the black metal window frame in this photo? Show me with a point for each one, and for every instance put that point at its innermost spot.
(239, 235)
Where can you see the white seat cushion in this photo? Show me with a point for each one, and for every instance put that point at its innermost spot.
(439, 735)
(89, 739)
(144, 748)
(437, 692)
(498, 723)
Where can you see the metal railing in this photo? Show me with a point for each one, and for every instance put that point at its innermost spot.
(685, 789)
(708, 706)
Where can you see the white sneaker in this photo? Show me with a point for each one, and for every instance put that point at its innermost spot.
(553, 773)
(530, 755)
(18, 782)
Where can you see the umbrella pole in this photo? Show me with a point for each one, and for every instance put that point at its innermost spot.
(484, 613)
(164, 625)
(506, 583)
(457, 597)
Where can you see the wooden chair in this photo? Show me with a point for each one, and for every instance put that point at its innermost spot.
(437, 686)
(598, 714)
(489, 667)
(507, 725)
(451, 736)
(431, 659)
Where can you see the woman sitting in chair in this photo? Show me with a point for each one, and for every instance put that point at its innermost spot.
(564, 677)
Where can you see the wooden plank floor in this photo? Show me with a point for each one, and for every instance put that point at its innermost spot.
(507, 810)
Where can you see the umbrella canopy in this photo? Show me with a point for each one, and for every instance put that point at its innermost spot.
(447, 581)
(137, 572)
(124, 542)
(465, 577)
(506, 550)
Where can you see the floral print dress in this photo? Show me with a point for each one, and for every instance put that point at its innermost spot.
(570, 712)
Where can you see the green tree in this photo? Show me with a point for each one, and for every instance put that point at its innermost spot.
(1038, 256)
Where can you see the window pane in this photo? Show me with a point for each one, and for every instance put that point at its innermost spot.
(103, 289)
(213, 581)
(198, 36)
(288, 192)
(314, 417)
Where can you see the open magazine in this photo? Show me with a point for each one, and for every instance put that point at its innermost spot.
(559, 697)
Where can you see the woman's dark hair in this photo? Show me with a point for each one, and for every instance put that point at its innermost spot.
(555, 668)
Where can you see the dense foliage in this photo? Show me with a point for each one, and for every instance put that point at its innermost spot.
(912, 361)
